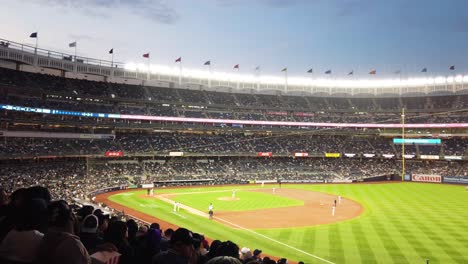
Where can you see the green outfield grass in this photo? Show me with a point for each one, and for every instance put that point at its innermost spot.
(402, 223)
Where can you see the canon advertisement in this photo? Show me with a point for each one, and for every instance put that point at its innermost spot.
(426, 178)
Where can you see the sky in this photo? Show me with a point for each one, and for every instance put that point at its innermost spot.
(341, 35)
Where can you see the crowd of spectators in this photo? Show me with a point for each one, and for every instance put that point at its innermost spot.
(148, 99)
(37, 228)
(223, 144)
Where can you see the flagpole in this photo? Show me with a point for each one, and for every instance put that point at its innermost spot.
(148, 77)
(286, 81)
(238, 78)
(425, 82)
(257, 72)
(112, 59)
(180, 73)
(76, 65)
(209, 78)
(35, 49)
(311, 80)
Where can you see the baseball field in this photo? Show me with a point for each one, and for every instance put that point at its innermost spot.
(374, 223)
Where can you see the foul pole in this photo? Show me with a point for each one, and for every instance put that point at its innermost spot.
(403, 144)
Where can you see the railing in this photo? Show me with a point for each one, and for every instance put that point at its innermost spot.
(59, 55)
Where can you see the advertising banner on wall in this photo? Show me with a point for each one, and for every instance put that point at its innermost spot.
(176, 153)
(367, 155)
(426, 178)
(114, 154)
(430, 157)
(301, 154)
(453, 157)
(388, 156)
(265, 154)
(350, 155)
(332, 155)
(455, 179)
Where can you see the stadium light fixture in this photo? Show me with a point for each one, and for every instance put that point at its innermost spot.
(295, 81)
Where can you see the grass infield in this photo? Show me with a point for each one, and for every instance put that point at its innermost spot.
(402, 222)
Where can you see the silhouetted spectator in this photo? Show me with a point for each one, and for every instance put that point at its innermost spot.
(59, 244)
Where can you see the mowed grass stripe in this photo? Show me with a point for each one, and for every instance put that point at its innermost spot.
(415, 251)
(379, 225)
(335, 244)
(365, 250)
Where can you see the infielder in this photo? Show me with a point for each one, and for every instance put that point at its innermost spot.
(210, 211)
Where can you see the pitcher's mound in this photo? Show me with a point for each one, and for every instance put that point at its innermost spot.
(228, 199)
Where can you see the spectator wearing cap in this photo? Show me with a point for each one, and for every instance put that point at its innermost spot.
(60, 244)
(22, 242)
(89, 235)
(181, 250)
(257, 255)
(245, 254)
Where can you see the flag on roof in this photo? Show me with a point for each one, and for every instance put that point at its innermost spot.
(33, 35)
(236, 66)
(373, 72)
(351, 73)
(111, 51)
(310, 71)
(178, 59)
(424, 70)
(328, 72)
(207, 63)
(397, 71)
(452, 67)
(72, 45)
(146, 55)
(284, 70)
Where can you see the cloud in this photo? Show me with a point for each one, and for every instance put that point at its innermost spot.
(157, 10)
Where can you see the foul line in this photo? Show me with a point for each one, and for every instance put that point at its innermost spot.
(200, 213)
(274, 240)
